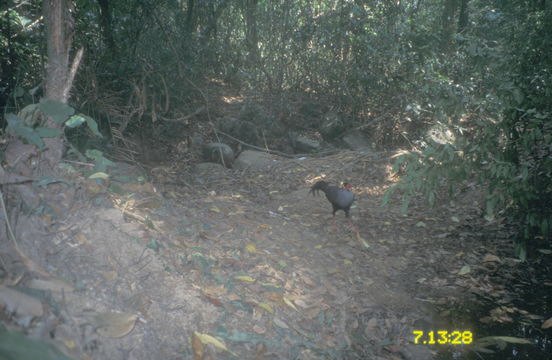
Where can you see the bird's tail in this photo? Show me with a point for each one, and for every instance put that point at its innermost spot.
(319, 185)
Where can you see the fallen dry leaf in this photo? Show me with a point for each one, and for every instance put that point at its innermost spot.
(115, 325)
(245, 278)
(258, 329)
(361, 240)
(289, 303)
(466, 269)
(266, 307)
(491, 258)
(213, 300)
(280, 323)
(197, 347)
(208, 339)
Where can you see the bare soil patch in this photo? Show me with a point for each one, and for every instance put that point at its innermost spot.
(250, 258)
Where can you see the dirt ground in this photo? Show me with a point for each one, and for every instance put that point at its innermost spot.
(247, 265)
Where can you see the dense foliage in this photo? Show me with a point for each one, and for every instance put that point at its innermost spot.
(504, 134)
(465, 83)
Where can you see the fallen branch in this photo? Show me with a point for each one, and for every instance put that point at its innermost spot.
(276, 152)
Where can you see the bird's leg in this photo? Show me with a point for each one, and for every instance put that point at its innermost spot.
(355, 229)
(334, 224)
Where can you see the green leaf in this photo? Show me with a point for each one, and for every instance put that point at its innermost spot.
(79, 119)
(46, 132)
(27, 133)
(387, 195)
(75, 120)
(101, 162)
(92, 125)
(15, 345)
(58, 111)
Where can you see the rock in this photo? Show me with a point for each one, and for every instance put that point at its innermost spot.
(208, 168)
(276, 128)
(332, 126)
(241, 129)
(218, 153)
(356, 141)
(253, 112)
(196, 142)
(304, 145)
(254, 159)
(229, 125)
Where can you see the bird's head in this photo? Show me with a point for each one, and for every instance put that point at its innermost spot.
(347, 186)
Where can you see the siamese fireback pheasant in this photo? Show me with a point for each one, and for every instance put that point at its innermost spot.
(340, 198)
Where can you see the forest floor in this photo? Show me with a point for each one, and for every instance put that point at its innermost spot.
(251, 259)
(246, 264)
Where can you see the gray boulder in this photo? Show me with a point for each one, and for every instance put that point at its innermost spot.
(219, 153)
(254, 159)
(356, 141)
(303, 145)
(332, 126)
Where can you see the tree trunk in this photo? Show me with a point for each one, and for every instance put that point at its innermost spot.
(190, 19)
(463, 17)
(58, 78)
(105, 23)
(447, 23)
(251, 36)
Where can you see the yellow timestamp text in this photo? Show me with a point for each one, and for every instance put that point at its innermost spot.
(443, 337)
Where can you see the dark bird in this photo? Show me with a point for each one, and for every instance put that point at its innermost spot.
(340, 198)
